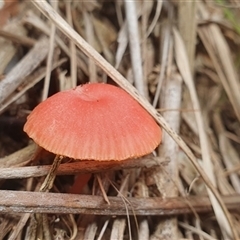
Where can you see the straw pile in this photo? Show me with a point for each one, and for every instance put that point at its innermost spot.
(182, 57)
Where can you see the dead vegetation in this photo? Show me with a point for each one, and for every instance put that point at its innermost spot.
(183, 59)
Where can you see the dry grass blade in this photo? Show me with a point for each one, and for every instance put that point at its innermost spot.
(197, 231)
(30, 82)
(122, 45)
(221, 211)
(229, 154)
(103, 230)
(19, 226)
(6, 224)
(73, 51)
(132, 25)
(156, 16)
(92, 69)
(9, 50)
(26, 41)
(187, 23)
(119, 224)
(19, 157)
(217, 48)
(165, 53)
(18, 74)
(48, 11)
(39, 24)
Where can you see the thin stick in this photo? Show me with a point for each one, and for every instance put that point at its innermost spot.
(80, 167)
(50, 56)
(60, 203)
(102, 189)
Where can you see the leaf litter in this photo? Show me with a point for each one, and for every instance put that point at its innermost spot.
(185, 64)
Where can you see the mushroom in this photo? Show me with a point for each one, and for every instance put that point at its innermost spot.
(94, 121)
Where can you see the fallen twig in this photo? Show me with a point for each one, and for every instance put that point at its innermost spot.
(79, 167)
(25, 202)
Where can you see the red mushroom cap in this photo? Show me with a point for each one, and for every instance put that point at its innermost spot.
(94, 121)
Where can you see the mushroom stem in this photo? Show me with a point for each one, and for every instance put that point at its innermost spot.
(48, 181)
(79, 183)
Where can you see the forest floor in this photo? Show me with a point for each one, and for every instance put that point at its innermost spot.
(183, 58)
